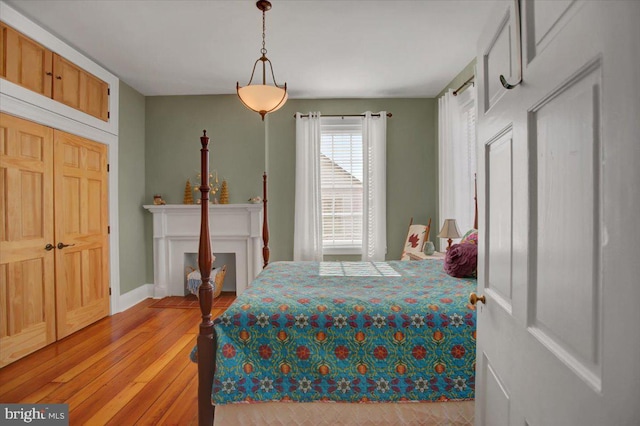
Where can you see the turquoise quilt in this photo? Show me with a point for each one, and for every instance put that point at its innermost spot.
(348, 332)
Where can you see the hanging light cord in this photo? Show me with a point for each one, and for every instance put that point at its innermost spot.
(264, 29)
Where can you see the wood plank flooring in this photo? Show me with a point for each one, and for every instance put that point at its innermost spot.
(132, 368)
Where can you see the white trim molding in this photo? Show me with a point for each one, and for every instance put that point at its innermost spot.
(135, 296)
(235, 228)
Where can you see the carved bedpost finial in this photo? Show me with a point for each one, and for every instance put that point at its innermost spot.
(204, 140)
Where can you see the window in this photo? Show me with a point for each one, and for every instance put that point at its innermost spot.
(340, 205)
(341, 184)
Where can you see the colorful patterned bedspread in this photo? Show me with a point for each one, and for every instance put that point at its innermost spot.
(348, 332)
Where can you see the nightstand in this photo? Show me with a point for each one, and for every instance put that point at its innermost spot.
(422, 256)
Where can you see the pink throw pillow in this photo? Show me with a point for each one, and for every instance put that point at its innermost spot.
(461, 260)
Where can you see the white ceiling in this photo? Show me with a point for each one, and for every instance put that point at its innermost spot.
(321, 48)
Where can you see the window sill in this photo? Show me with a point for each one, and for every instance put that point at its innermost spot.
(342, 250)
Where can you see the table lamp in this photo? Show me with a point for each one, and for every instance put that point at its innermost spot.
(449, 230)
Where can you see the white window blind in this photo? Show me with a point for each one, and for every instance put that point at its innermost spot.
(341, 176)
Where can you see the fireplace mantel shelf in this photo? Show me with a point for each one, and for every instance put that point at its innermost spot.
(234, 228)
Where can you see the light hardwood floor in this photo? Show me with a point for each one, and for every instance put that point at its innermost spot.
(132, 368)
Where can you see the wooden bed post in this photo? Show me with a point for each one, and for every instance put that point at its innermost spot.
(206, 337)
(265, 223)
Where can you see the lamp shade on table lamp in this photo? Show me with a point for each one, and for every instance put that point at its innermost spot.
(449, 230)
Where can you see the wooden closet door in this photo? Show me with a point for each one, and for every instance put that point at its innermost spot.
(26, 62)
(27, 295)
(82, 243)
(79, 89)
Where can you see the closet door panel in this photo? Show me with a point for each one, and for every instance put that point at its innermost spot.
(27, 275)
(26, 62)
(67, 81)
(82, 277)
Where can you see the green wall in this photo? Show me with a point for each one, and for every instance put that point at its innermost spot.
(131, 189)
(411, 165)
(174, 125)
(242, 143)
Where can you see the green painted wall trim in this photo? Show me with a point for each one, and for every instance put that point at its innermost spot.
(131, 189)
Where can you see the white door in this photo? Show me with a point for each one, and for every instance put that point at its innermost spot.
(559, 193)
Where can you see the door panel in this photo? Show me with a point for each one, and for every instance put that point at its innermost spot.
(26, 62)
(79, 89)
(544, 21)
(27, 294)
(82, 277)
(566, 354)
(499, 57)
(565, 248)
(66, 85)
(94, 99)
(495, 411)
(499, 228)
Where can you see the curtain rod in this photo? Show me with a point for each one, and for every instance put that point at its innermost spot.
(347, 115)
(463, 85)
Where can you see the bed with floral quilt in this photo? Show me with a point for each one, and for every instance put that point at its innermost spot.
(348, 332)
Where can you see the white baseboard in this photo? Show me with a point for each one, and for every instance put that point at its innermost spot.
(135, 296)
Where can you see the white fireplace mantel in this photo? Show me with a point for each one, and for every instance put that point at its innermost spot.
(234, 228)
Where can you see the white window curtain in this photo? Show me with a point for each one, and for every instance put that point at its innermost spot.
(307, 235)
(457, 158)
(374, 140)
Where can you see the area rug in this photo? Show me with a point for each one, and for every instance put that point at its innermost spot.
(191, 301)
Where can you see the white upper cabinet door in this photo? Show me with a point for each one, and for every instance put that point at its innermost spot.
(558, 178)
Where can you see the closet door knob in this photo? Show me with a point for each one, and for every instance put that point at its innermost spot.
(61, 245)
(49, 247)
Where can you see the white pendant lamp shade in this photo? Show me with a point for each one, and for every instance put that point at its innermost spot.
(263, 98)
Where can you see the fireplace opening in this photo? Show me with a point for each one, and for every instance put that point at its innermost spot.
(229, 259)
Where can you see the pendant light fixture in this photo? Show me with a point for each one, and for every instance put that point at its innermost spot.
(263, 98)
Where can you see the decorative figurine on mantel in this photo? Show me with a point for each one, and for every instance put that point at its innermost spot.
(224, 193)
(214, 187)
(188, 195)
(158, 201)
